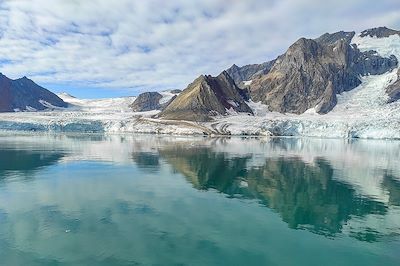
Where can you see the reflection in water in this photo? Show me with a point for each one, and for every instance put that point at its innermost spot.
(25, 161)
(306, 196)
(392, 185)
(116, 193)
(146, 160)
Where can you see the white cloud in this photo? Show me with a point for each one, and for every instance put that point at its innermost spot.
(159, 44)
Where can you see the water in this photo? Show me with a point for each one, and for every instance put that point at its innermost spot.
(147, 200)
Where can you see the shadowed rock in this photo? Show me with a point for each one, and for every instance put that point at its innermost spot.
(248, 72)
(147, 101)
(394, 89)
(24, 94)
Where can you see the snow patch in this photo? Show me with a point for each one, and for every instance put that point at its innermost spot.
(30, 109)
(385, 47)
(258, 108)
(233, 103)
(166, 96)
(247, 82)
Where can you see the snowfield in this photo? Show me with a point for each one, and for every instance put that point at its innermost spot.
(360, 113)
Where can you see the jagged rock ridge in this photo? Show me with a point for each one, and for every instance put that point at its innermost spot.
(248, 72)
(380, 32)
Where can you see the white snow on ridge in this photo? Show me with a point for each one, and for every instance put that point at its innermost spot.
(98, 105)
(258, 108)
(30, 108)
(385, 47)
(247, 82)
(167, 96)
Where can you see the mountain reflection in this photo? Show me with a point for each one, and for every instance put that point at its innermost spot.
(393, 187)
(307, 196)
(25, 161)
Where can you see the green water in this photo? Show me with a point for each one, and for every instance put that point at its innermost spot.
(146, 200)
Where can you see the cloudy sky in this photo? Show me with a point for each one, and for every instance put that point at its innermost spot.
(102, 48)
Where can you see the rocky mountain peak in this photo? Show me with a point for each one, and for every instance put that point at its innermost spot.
(379, 32)
(2, 76)
(302, 50)
(206, 97)
(312, 72)
(224, 75)
(24, 94)
(331, 38)
(146, 101)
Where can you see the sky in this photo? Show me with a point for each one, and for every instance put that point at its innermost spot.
(103, 48)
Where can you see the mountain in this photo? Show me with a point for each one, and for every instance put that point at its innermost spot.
(25, 95)
(148, 101)
(207, 96)
(313, 71)
(309, 75)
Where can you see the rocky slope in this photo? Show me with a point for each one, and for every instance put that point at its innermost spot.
(313, 71)
(25, 95)
(207, 96)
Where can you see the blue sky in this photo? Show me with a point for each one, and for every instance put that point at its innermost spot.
(103, 48)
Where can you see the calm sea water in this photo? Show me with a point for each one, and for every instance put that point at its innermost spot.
(147, 200)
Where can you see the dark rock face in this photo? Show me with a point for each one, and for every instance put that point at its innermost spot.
(205, 97)
(380, 32)
(23, 94)
(248, 72)
(300, 78)
(394, 90)
(147, 101)
(368, 63)
(312, 72)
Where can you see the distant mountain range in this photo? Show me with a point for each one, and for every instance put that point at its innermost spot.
(309, 75)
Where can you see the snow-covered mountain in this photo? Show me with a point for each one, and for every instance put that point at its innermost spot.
(359, 98)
